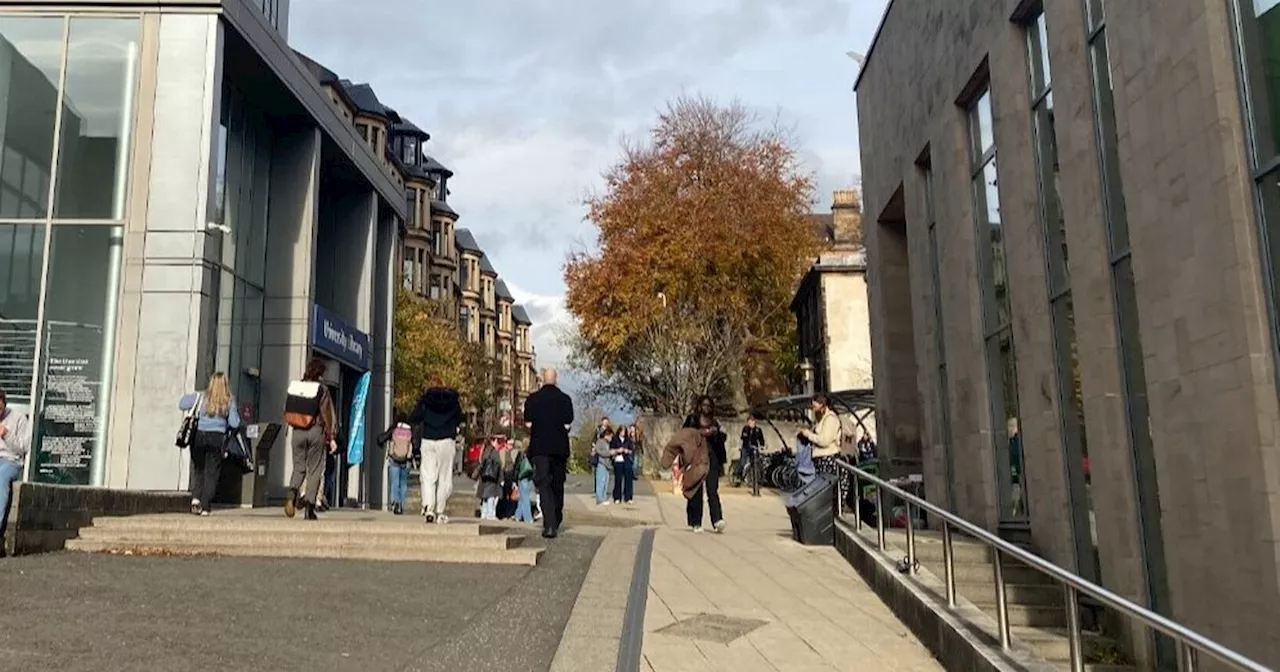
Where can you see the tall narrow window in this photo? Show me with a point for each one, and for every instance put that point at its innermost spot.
(997, 321)
(943, 419)
(1062, 314)
(1126, 302)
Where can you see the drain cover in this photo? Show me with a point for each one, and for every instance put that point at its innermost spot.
(713, 628)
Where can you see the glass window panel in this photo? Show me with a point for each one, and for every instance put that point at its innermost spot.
(253, 268)
(987, 195)
(1038, 44)
(97, 118)
(1260, 23)
(980, 120)
(1113, 193)
(21, 259)
(30, 58)
(1050, 202)
(1095, 11)
(79, 344)
(1007, 429)
(1269, 195)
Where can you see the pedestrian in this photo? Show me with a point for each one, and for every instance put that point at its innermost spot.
(624, 482)
(437, 415)
(216, 414)
(602, 458)
(548, 413)
(688, 449)
(637, 454)
(703, 419)
(15, 443)
(399, 442)
(308, 410)
(489, 486)
(825, 440)
(524, 482)
(752, 443)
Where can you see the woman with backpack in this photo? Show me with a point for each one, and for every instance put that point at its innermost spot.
(524, 484)
(399, 440)
(489, 488)
(215, 413)
(308, 410)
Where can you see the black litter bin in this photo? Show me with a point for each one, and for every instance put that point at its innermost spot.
(812, 512)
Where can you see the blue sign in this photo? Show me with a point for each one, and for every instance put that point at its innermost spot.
(355, 444)
(337, 338)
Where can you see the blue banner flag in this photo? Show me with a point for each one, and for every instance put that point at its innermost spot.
(355, 442)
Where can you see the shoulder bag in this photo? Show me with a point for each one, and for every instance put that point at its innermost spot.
(187, 430)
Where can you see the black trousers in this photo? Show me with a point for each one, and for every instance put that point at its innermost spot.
(712, 487)
(548, 476)
(206, 466)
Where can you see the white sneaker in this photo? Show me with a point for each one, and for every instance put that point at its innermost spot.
(204, 512)
(442, 519)
(719, 526)
(696, 529)
(605, 503)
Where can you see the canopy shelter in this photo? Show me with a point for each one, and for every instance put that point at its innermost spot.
(858, 404)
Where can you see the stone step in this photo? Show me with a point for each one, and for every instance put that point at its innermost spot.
(983, 573)
(1052, 645)
(515, 556)
(303, 535)
(364, 524)
(1035, 595)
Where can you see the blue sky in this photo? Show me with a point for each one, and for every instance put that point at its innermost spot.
(528, 102)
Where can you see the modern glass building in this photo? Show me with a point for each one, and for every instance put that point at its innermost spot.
(177, 197)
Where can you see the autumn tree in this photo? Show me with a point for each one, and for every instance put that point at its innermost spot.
(425, 346)
(703, 231)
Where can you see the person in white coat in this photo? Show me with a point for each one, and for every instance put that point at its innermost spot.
(15, 443)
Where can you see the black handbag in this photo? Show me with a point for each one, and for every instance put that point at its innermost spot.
(187, 430)
(235, 447)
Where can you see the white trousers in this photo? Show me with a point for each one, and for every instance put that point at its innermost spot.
(437, 474)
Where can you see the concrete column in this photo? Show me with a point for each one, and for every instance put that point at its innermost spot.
(290, 282)
(383, 334)
(360, 273)
(166, 282)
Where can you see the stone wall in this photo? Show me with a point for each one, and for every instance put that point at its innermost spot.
(43, 517)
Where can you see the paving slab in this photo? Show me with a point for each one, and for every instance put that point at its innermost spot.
(753, 599)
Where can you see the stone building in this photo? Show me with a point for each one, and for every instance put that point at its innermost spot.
(1131, 383)
(833, 327)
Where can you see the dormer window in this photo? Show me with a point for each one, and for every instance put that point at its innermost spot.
(441, 190)
(410, 155)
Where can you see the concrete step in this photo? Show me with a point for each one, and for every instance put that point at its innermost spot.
(983, 573)
(373, 524)
(516, 556)
(1035, 595)
(319, 537)
(1052, 645)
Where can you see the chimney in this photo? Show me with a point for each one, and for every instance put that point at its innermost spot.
(846, 216)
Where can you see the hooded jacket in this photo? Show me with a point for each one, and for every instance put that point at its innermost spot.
(691, 447)
(437, 415)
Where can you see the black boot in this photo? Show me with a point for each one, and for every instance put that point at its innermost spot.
(310, 512)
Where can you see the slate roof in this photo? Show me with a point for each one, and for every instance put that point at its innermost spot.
(464, 241)
(486, 267)
(441, 206)
(519, 316)
(434, 166)
(501, 291)
(367, 101)
(406, 127)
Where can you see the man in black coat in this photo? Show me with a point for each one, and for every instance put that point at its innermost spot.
(548, 414)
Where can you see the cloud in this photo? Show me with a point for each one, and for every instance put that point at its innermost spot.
(549, 318)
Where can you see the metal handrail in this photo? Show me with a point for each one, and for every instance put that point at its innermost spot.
(1190, 643)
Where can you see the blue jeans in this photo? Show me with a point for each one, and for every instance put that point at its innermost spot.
(524, 507)
(602, 482)
(398, 481)
(10, 472)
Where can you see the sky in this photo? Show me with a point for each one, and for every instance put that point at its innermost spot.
(528, 101)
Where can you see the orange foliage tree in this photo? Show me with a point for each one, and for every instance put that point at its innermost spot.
(703, 231)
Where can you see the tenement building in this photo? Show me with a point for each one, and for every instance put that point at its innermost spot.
(1073, 241)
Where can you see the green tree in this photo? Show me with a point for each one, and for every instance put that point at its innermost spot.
(425, 346)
